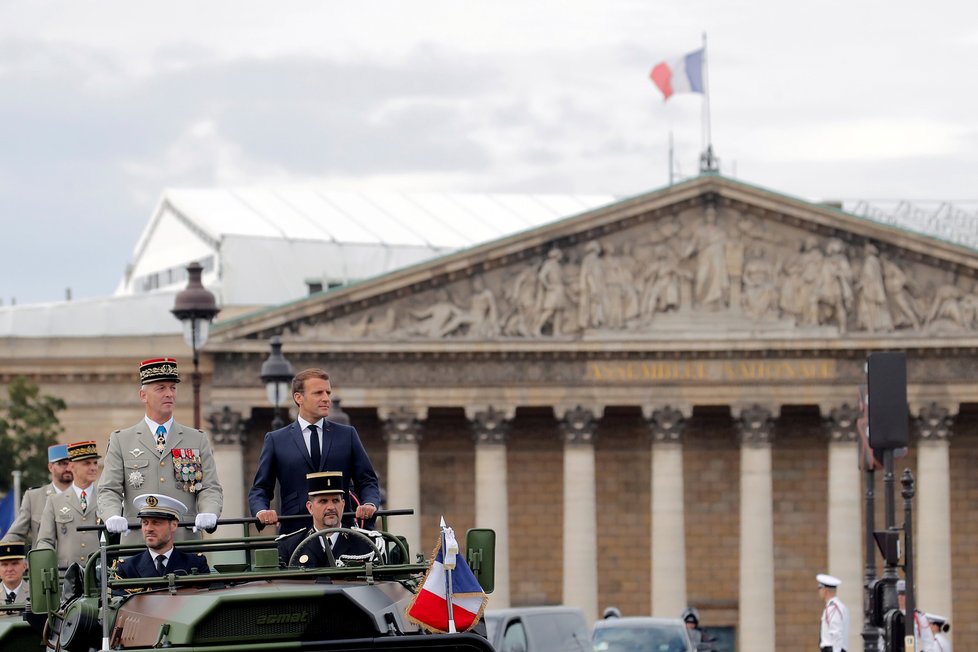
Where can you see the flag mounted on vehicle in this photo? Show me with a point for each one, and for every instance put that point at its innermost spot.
(450, 598)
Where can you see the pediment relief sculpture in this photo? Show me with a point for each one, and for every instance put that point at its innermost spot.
(702, 271)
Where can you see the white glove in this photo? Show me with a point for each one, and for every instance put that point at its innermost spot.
(117, 524)
(205, 521)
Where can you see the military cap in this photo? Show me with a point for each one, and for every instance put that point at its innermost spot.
(57, 453)
(83, 450)
(158, 506)
(935, 619)
(325, 482)
(158, 369)
(12, 550)
(828, 581)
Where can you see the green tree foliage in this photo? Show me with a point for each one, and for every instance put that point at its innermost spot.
(28, 425)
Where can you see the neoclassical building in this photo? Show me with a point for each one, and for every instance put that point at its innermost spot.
(653, 403)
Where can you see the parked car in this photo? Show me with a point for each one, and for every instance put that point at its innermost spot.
(538, 629)
(641, 635)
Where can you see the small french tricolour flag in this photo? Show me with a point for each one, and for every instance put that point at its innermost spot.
(683, 75)
(429, 608)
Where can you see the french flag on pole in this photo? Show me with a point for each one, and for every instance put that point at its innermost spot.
(683, 75)
(448, 581)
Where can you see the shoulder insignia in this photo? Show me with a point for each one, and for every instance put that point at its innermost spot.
(290, 534)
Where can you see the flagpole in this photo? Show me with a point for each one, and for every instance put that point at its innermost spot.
(670, 158)
(706, 98)
(448, 578)
(708, 162)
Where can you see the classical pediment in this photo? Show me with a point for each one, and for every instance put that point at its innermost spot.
(708, 259)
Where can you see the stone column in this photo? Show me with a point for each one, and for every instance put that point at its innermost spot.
(490, 429)
(402, 432)
(227, 436)
(932, 513)
(844, 534)
(756, 626)
(668, 513)
(580, 571)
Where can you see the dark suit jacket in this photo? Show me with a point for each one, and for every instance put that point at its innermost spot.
(284, 458)
(346, 544)
(142, 565)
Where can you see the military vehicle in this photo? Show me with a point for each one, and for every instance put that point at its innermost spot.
(252, 605)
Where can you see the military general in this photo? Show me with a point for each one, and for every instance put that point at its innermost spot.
(159, 456)
(66, 511)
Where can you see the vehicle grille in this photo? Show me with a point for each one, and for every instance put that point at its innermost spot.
(327, 617)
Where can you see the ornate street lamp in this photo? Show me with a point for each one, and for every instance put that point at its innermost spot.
(276, 373)
(195, 308)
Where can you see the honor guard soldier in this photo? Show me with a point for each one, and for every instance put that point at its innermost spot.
(939, 626)
(833, 633)
(28, 522)
(326, 505)
(158, 517)
(921, 626)
(66, 511)
(12, 568)
(160, 456)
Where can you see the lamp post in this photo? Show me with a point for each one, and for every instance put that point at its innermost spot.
(276, 373)
(195, 308)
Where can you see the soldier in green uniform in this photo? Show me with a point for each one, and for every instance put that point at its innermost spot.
(66, 511)
(159, 456)
(25, 527)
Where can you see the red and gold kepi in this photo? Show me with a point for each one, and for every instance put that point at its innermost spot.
(83, 450)
(158, 369)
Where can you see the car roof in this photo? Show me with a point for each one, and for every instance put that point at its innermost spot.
(529, 611)
(638, 621)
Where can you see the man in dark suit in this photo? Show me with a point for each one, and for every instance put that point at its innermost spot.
(311, 444)
(158, 516)
(325, 504)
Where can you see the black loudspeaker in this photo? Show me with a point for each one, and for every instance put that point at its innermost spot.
(886, 374)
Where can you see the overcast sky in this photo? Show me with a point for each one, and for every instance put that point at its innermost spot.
(103, 105)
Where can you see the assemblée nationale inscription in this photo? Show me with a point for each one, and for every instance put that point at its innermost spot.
(710, 370)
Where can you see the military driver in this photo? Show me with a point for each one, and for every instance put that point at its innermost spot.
(326, 505)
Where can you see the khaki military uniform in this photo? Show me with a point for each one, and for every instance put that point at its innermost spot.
(62, 514)
(185, 471)
(28, 522)
(21, 595)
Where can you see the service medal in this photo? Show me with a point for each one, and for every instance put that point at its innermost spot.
(136, 479)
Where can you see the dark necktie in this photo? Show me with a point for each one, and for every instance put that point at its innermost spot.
(161, 564)
(314, 447)
(11, 596)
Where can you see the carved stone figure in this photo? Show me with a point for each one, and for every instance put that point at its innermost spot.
(799, 292)
(553, 294)
(439, 319)
(946, 307)
(872, 311)
(482, 313)
(712, 283)
(621, 299)
(521, 295)
(759, 297)
(835, 286)
(897, 287)
(590, 310)
(661, 290)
